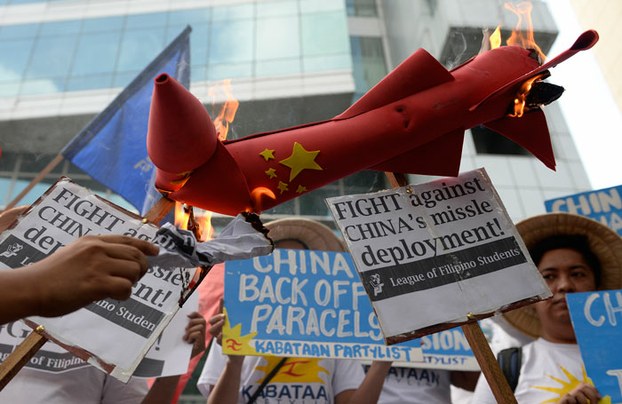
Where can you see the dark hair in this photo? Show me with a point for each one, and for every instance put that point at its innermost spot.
(576, 242)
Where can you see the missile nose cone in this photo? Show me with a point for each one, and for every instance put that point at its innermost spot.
(181, 135)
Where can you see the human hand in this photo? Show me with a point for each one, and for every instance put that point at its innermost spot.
(195, 333)
(89, 269)
(217, 322)
(8, 216)
(582, 394)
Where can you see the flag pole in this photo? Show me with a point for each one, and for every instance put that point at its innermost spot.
(46, 170)
(475, 336)
(35, 340)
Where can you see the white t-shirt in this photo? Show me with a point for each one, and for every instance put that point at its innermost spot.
(548, 372)
(300, 380)
(414, 385)
(84, 385)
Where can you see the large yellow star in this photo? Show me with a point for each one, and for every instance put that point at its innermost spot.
(301, 159)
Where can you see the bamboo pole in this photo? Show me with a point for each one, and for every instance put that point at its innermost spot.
(474, 335)
(35, 340)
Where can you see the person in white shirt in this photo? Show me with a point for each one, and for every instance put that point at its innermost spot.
(573, 254)
(236, 379)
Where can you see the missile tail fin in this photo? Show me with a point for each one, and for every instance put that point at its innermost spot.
(529, 131)
(438, 157)
(417, 73)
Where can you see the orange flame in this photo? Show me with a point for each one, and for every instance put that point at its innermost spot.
(521, 97)
(227, 112)
(523, 36)
(257, 194)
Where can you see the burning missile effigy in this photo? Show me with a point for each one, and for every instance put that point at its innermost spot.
(413, 121)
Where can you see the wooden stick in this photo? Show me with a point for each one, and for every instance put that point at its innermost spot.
(35, 340)
(474, 335)
(46, 170)
(20, 356)
(488, 363)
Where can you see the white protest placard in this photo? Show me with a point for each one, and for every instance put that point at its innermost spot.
(110, 334)
(434, 255)
(168, 356)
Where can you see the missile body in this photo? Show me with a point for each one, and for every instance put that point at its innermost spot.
(413, 121)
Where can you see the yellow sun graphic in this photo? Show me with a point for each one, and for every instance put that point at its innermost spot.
(294, 370)
(566, 386)
(233, 342)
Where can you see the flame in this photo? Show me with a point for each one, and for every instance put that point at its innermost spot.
(495, 38)
(257, 194)
(227, 112)
(520, 36)
(201, 225)
(521, 97)
(181, 216)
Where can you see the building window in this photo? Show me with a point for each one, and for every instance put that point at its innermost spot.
(17, 170)
(361, 8)
(490, 142)
(368, 62)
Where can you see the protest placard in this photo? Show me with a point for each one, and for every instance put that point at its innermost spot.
(312, 303)
(596, 318)
(435, 255)
(303, 303)
(603, 205)
(168, 356)
(66, 212)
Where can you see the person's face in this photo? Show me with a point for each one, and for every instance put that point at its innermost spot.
(565, 271)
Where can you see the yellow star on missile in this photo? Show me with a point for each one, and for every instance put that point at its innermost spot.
(271, 173)
(267, 154)
(301, 159)
(301, 189)
(282, 186)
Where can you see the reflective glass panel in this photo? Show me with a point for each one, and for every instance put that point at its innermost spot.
(96, 53)
(231, 41)
(139, 47)
(324, 33)
(277, 38)
(51, 57)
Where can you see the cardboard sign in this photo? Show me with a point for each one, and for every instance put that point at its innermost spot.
(168, 356)
(303, 303)
(602, 205)
(435, 255)
(65, 213)
(263, 294)
(597, 322)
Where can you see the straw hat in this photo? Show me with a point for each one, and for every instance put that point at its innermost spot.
(604, 243)
(311, 234)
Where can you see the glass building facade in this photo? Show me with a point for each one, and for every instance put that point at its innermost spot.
(48, 53)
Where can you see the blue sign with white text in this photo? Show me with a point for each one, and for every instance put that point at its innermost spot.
(305, 303)
(597, 321)
(603, 205)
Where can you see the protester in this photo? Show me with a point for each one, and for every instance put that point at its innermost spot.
(81, 383)
(573, 254)
(421, 385)
(89, 269)
(234, 379)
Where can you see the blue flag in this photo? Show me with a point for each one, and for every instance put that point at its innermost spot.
(112, 148)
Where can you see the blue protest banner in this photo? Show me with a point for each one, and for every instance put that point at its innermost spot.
(312, 304)
(603, 205)
(597, 321)
(112, 147)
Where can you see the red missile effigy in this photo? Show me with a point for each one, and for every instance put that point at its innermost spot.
(413, 121)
